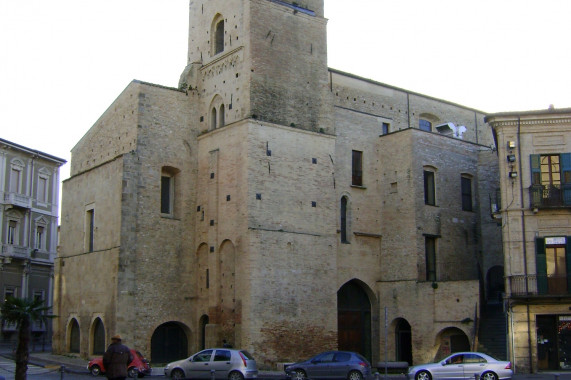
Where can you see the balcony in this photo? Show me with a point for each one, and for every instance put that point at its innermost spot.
(17, 200)
(539, 285)
(550, 196)
(15, 251)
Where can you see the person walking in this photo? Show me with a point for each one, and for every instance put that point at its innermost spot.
(116, 359)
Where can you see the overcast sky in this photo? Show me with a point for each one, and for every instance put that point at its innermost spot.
(63, 62)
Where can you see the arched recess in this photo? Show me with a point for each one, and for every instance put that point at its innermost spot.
(203, 275)
(170, 342)
(495, 284)
(98, 337)
(450, 340)
(217, 109)
(354, 319)
(204, 320)
(74, 336)
(403, 341)
(227, 282)
(217, 34)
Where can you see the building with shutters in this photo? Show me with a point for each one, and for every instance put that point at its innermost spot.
(277, 204)
(535, 181)
(29, 205)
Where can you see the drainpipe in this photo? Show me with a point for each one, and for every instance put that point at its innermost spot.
(524, 238)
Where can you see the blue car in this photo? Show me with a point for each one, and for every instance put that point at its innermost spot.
(331, 365)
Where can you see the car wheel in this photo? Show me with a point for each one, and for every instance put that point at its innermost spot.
(422, 375)
(355, 375)
(235, 375)
(299, 374)
(177, 374)
(133, 372)
(489, 376)
(95, 370)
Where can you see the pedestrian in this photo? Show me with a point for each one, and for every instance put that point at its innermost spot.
(116, 359)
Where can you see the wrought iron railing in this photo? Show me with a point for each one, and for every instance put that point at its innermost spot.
(546, 196)
(539, 285)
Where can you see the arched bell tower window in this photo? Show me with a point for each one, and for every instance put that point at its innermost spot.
(221, 120)
(213, 119)
(217, 35)
(217, 113)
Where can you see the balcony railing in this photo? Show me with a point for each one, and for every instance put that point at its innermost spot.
(18, 251)
(550, 196)
(539, 285)
(18, 200)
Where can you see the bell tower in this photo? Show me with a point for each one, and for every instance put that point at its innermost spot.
(259, 59)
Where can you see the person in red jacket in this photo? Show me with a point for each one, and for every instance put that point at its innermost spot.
(116, 359)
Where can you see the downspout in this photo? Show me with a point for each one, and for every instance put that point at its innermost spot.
(524, 238)
(408, 108)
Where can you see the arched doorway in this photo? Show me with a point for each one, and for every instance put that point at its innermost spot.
(451, 340)
(98, 337)
(403, 340)
(169, 343)
(354, 319)
(74, 336)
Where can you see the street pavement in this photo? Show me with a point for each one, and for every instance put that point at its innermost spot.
(47, 366)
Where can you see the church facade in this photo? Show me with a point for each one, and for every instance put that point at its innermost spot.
(275, 203)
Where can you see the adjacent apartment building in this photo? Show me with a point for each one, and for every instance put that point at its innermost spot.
(277, 204)
(534, 150)
(29, 205)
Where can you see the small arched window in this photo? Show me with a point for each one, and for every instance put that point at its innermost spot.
(425, 125)
(213, 119)
(221, 118)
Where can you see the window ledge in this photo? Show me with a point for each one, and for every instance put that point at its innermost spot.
(359, 187)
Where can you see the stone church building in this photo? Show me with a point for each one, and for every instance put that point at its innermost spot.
(278, 204)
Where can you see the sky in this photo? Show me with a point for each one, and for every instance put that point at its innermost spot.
(63, 62)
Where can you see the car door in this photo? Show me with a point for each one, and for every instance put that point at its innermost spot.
(221, 363)
(198, 366)
(473, 364)
(340, 366)
(452, 368)
(318, 368)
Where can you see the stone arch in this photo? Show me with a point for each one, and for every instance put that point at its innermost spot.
(495, 286)
(217, 29)
(216, 108)
(97, 337)
(450, 340)
(170, 342)
(73, 336)
(227, 283)
(354, 318)
(403, 341)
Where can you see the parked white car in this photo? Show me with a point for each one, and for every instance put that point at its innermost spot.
(223, 363)
(463, 365)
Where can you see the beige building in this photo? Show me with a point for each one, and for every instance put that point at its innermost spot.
(277, 204)
(535, 178)
(29, 204)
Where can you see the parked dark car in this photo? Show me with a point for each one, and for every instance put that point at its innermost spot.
(331, 365)
(139, 367)
(463, 365)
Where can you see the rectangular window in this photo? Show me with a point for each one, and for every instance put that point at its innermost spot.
(430, 251)
(12, 232)
(9, 292)
(357, 168)
(90, 229)
(425, 125)
(40, 237)
(166, 194)
(550, 180)
(15, 178)
(429, 191)
(42, 192)
(385, 128)
(466, 194)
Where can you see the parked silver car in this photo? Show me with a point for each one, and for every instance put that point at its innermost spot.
(331, 365)
(463, 365)
(224, 363)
